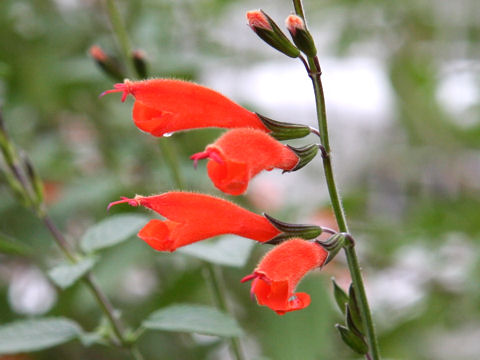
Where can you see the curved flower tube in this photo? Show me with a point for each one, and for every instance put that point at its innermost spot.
(278, 273)
(240, 154)
(164, 106)
(192, 217)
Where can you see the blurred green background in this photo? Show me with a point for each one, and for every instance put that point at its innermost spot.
(402, 84)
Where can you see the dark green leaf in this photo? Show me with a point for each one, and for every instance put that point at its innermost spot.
(112, 231)
(341, 297)
(356, 343)
(351, 325)
(37, 334)
(193, 319)
(354, 309)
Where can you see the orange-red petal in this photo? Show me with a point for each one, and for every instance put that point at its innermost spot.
(240, 154)
(279, 272)
(192, 217)
(165, 106)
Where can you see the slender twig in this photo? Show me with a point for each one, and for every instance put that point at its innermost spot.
(352, 260)
(38, 206)
(90, 281)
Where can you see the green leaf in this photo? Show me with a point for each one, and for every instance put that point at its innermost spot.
(10, 246)
(354, 308)
(67, 274)
(356, 343)
(36, 334)
(341, 297)
(227, 250)
(193, 319)
(112, 231)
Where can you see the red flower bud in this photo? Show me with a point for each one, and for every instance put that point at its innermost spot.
(277, 275)
(240, 154)
(97, 53)
(294, 22)
(258, 19)
(165, 106)
(192, 217)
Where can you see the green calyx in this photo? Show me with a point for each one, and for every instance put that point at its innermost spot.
(284, 131)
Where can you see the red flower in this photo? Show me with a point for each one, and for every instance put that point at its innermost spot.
(165, 106)
(240, 154)
(277, 275)
(192, 217)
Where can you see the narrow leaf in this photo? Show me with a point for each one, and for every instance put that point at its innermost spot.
(341, 297)
(193, 319)
(112, 231)
(226, 250)
(37, 334)
(354, 308)
(356, 343)
(66, 275)
(351, 325)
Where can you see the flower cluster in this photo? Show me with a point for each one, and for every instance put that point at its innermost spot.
(164, 106)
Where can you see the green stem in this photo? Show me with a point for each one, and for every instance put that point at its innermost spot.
(352, 260)
(298, 8)
(336, 201)
(171, 160)
(216, 284)
(121, 34)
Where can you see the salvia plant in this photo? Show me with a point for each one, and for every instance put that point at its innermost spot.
(250, 144)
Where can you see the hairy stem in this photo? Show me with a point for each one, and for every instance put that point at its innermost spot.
(352, 260)
(336, 201)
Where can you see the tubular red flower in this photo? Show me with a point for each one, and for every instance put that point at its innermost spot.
(240, 154)
(278, 273)
(192, 217)
(165, 106)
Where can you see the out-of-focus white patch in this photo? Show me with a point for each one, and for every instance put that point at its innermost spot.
(353, 86)
(30, 293)
(397, 293)
(458, 91)
(138, 283)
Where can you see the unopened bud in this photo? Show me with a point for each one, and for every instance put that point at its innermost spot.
(305, 155)
(300, 35)
(304, 231)
(140, 63)
(268, 31)
(284, 131)
(108, 64)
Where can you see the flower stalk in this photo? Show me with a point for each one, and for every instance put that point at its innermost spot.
(314, 72)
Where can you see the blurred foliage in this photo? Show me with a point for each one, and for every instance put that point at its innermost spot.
(414, 205)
